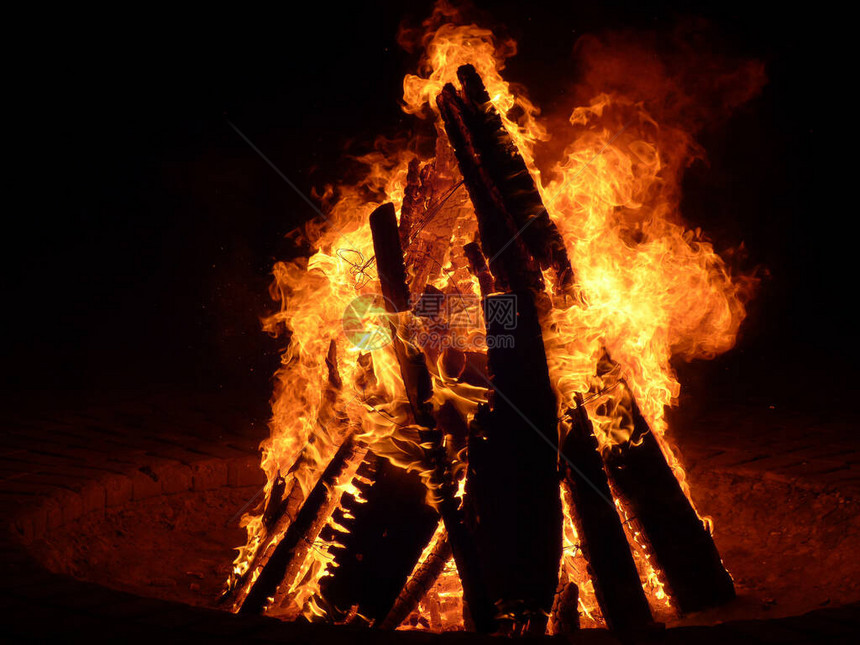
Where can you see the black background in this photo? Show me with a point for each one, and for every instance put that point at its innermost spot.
(140, 248)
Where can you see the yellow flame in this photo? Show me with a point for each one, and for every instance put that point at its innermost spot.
(653, 289)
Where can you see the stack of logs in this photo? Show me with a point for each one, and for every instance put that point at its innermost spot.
(506, 535)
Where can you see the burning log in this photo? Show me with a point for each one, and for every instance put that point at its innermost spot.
(432, 206)
(413, 199)
(512, 487)
(478, 267)
(602, 540)
(275, 505)
(273, 571)
(682, 545)
(389, 257)
(481, 140)
(567, 617)
(325, 532)
(419, 583)
(509, 261)
(418, 385)
(386, 535)
(282, 507)
(462, 540)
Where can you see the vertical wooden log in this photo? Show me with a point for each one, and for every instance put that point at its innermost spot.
(681, 544)
(389, 257)
(512, 486)
(418, 385)
(604, 545)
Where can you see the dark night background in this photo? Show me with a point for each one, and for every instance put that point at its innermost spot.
(139, 253)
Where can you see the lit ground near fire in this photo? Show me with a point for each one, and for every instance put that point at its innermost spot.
(786, 523)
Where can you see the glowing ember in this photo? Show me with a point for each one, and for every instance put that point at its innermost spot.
(650, 290)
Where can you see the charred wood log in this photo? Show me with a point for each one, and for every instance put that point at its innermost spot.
(566, 615)
(322, 532)
(432, 205)
(392, 277)
(274, 505)
(386, 536)
(602, 541)
(512, 488)
(419, 583)
(476, 131)
(418, 385)
(509, 261)
(680, 542)
(428, 304)
(507, 170)
(463, 544)
(412, 202)
(283, 505)
(478, 267)
(272, 573)
(389, 257)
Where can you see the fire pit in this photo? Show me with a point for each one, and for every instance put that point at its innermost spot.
(469, 428)
(483, 338)
(143, 547)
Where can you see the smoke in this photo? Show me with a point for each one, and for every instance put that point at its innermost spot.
(683, 78)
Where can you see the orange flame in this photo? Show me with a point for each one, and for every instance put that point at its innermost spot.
(653, 289)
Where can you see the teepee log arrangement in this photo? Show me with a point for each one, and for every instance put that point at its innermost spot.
(504, 532)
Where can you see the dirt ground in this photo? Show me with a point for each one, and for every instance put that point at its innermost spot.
(175, 547)
(789, 549)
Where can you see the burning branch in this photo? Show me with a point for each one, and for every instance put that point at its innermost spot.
(602, 540)
(681, 543)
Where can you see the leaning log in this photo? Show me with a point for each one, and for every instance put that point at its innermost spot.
(566, 614)
(512, 491)
(602, 540)
(385, 538)
(681, 544)
(387, 532)
(509, 260)
(272, 574)
(283, 505)
(478, 267)
(413, 200)
(419, 583)
(506, 170)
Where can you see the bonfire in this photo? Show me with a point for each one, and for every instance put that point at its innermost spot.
(469, 425)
